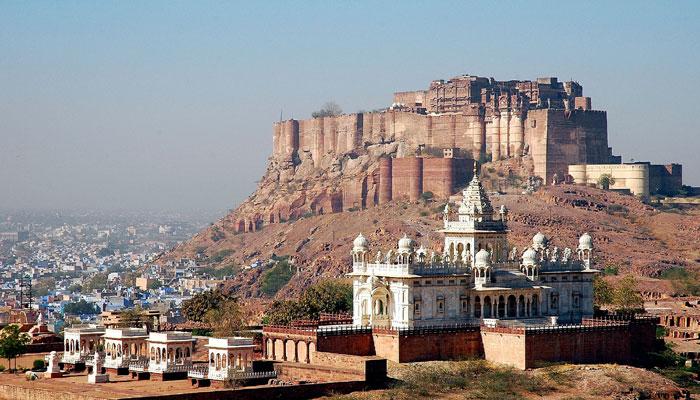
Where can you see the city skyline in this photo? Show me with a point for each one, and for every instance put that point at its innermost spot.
(126, 105)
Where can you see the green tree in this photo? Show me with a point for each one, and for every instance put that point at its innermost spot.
(194, 309)
(331, 296)
(134, 318)
(329, 109)
(97, 282)
(282, 312)
(602, 292)
(43, 287)
(227, 319)
(605, 181)
(13, 343)
(626, 298)
(81, 307)
(276, 277)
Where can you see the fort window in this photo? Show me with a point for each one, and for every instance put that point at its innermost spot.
(440, 282)
(463, 281)
(416, 283)
(554, 301)
(452, 282)
(428, 282)
(440, 305)
(416, 309)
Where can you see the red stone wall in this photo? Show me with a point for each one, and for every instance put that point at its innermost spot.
(359, 345)
(407, 179)
(557, 138)
(586, 346)
(439, 176)
(602, 344)
(294, 372)
(385, 182)
(429, 346)
(665, 179)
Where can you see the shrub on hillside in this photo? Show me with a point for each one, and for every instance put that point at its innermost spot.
(276, 277)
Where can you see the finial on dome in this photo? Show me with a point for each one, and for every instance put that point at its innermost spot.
(360, 242)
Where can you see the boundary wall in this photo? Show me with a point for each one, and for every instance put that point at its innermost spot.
(591, 341)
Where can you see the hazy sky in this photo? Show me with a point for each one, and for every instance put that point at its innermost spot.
(146, 105)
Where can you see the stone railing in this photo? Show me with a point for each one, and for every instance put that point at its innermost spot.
(342, 330)
(73, 358)
(198, 371)
(153, 367)
(423, 330)
(138, 366)
(289, 330)
(227, 374)
(565, 328)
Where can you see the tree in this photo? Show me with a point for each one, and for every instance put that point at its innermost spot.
(13, 343)
(43, 287)
(602, 292)
(330, 296)
(605, 181)
(81, 307)
(626, 298)
(131, 317)
(195, 308)
(97, 282)
(276, 277)
(227, 319)
(329, 109)
(282, 312)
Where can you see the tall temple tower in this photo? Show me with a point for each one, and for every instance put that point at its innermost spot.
(475, 228)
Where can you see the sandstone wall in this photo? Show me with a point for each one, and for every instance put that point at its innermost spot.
(557, 138)
(634, 177)
(407, 178)
(665, 179)
(596, 344)
(358, 344)
(428, 346)
(504, 347)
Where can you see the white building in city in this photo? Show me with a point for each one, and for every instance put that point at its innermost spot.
(123, 345)
(229, 355)
(170, 351)
(476, 276)
(80, 341)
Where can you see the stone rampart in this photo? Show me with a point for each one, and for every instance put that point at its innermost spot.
(593, 341)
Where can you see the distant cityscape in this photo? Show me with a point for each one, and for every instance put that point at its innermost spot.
(71, 266)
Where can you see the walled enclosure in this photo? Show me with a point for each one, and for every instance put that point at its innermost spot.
(592, 341)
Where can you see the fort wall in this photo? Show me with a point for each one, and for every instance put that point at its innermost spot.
(407, 178)
(426, 345)
(554, 137)
(557, 138)
(634, 177)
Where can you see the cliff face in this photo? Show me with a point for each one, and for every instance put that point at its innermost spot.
(384, 173)
(626, 233)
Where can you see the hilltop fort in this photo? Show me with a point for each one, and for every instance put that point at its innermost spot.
(426, 142)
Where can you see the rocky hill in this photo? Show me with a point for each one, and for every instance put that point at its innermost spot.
(628, 234)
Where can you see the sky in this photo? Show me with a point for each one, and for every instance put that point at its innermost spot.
(166, 105)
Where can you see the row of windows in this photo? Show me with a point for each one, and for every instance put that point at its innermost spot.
(464, 304)
(439, 282)
(464, 281)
